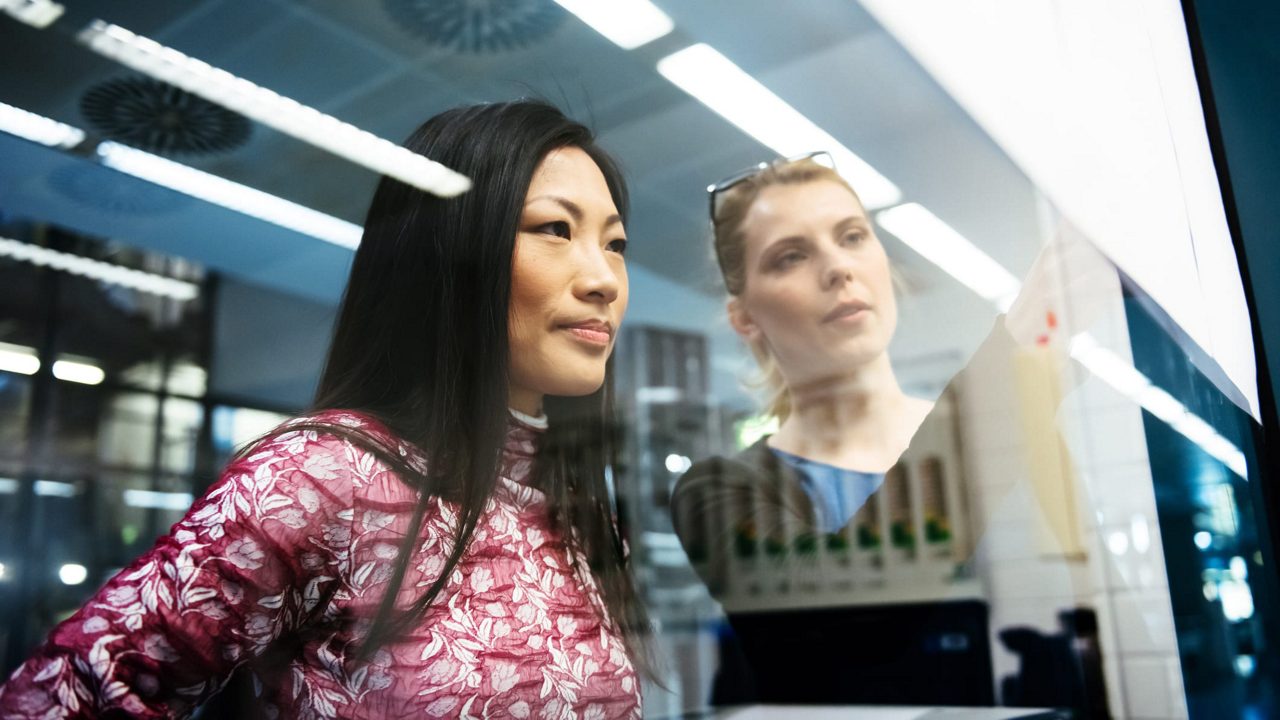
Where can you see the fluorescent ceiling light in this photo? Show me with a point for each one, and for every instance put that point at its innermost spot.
(1164, 406)
(627, 23)
(1128, 381)
(1108, 366)
(53, 488)
(232, 195)
(8, 486)
(19, 359)
(78, 372)
(98, 270)
(658, 395)
(714, 80)
(36, 13)
(38, 128)
(940, 244)
(158, 500)
(281, 113)
(73, 574)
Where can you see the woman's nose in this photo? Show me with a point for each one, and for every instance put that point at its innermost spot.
(837, 271)
(595, 279)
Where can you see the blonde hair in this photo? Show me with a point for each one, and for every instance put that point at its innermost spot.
(731, 255)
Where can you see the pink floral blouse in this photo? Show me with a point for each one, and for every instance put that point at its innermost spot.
(293, 548)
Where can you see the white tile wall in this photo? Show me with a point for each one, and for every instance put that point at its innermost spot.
(1149, 688)
(1144, 622)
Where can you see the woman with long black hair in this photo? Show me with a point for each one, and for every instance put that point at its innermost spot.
(435, 537)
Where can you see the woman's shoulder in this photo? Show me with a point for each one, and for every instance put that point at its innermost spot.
(743, 468)
(330, 446)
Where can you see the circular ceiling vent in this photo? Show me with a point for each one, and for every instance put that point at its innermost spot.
(158, 117)
(477, 25)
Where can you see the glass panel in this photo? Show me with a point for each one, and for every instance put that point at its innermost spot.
(953, 405)
(128, 428)
(182, 421)
(233, 427)
(15, 409)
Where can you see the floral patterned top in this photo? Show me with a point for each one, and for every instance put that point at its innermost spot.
(290, 552)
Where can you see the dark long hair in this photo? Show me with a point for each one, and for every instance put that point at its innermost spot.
(421, 344)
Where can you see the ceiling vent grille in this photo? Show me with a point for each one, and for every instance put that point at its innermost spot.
(157, 117)
(477, 26)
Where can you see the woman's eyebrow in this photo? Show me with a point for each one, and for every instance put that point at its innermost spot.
(781, 243)
(851, 221)
(574, 210)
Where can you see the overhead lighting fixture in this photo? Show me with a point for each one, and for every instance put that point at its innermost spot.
(43, 488)
(98, 270)
(38, 128)
(158, 500)
(78, 372)
(627, 23)
(36, 13)
(716, 82)
(271, 109)
(53, 488)
(19, 359)
(1108, 366)
(232, 195)
(940, 244)
(1128, 381)
(73, 574)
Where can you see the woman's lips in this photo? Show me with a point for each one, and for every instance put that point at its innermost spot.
(593, 332)
(847, 312)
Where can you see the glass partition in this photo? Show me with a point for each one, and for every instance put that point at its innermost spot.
(961, 411)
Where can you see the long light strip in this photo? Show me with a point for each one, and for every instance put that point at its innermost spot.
(157, 500)
(98, 270)
(229, 194)
(716, 82)
(43, 488)
(36, 13)
(271, 109)
(627, 23)
(19, 359)
(38, 128)
(1128, 381)
(78, 372)
(54, 488)
(941, 245)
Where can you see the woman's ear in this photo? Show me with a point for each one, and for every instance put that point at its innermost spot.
(741, 321)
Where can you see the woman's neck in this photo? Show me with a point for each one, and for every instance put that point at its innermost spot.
(860, 420)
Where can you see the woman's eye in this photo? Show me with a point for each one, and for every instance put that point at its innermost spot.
(788, 259)
(619, 246)
(855, 237)
(559, 228)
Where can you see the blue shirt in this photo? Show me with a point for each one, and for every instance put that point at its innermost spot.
(837, 494)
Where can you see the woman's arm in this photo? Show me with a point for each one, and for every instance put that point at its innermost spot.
(252, 560)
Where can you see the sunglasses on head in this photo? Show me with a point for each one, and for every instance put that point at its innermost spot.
(716, 191)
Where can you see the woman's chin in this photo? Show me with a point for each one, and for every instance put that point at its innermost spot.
(576, 387)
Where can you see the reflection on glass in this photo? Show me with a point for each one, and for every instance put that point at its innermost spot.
(128, 435)
(1012, 524)
(182, 420)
